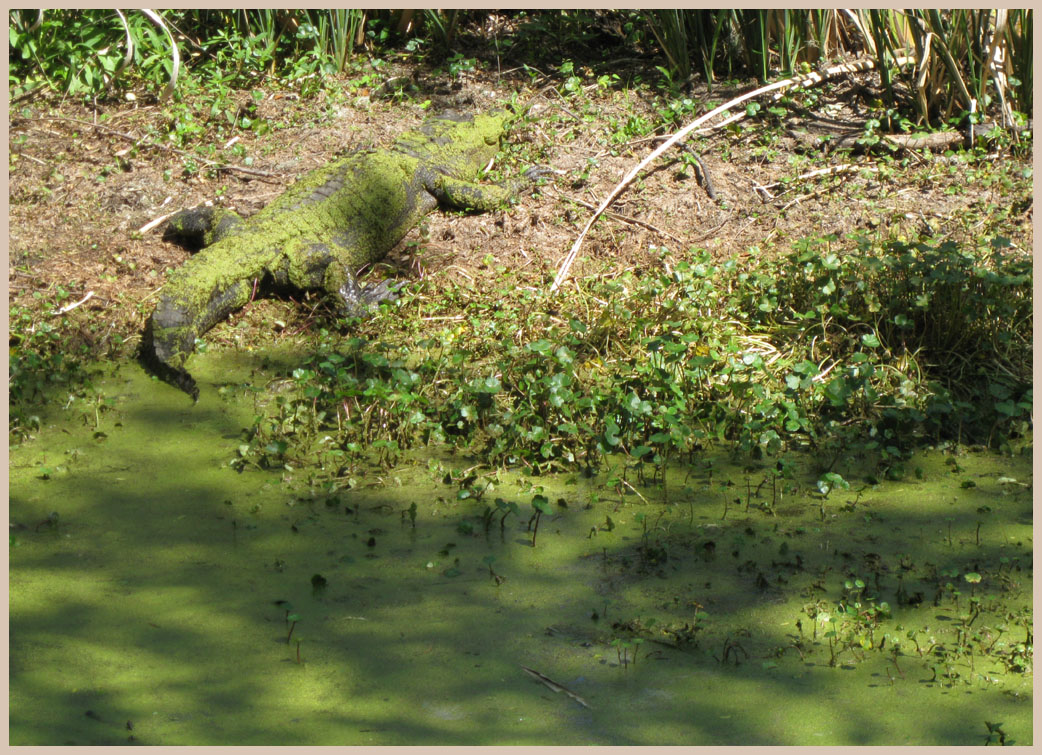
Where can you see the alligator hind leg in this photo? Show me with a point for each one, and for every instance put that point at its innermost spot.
(201, 227)
(351, 299)
(328, 267)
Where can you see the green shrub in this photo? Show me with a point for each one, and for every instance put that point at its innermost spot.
(872, 348)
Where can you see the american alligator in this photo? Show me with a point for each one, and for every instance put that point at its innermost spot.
(324, 227)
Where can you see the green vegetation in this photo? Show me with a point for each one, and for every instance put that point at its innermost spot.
(91, 52)
(742, 486)
(841, 347)
(951, 51)
(38, 362)
(227, 54)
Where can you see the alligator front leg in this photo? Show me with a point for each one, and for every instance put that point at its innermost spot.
(478, 197)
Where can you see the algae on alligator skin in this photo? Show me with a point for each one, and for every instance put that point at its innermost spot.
(338, 218)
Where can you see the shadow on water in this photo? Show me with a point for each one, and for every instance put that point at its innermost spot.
(149, 607)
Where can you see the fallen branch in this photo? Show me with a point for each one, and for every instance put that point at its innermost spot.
(712, 231)
(627, 484)
(937, 141)
(706, 181)
(154, 222)
(814, 194)
(554, 685)
(26, 95)
(30, 157)
(834, 170)
(623, 218)
(698, 132)
(945, 139)
(814, 78)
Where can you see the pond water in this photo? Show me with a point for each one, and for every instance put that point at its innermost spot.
(158, 605)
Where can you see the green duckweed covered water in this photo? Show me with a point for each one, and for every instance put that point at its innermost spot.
(149, 607)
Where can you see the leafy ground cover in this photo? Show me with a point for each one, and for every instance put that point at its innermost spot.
(864, 355)
(773, 434)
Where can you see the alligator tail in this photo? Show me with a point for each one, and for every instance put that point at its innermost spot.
(168, 373)
(173, 329)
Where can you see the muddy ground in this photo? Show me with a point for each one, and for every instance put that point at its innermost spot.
(86, 179)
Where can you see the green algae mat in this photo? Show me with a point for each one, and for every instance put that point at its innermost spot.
(159, 597)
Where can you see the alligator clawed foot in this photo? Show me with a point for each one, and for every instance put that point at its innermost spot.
(358, 302)
(386, 290)
(539, 171)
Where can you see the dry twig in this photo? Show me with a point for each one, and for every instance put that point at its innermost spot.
(70, 307)
(833, 170)
(554, 685)
(814, 78)
(623, 218)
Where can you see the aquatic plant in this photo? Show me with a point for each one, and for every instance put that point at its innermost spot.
(540, 506)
